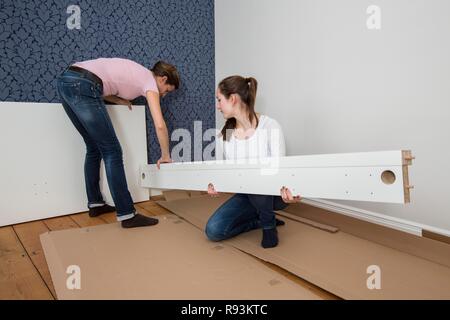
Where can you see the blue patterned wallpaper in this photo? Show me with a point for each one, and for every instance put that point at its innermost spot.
(36, 45)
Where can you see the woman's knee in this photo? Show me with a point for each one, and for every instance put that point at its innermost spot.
(214, 231)
(112, 152)
(92, 150)
(221, 224)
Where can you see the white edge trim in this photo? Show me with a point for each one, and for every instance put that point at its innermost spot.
(377, 218)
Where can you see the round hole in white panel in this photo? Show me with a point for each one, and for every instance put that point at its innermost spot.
(388, 177)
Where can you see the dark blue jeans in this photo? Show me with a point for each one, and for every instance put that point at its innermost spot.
(82, 100)
(242, 213)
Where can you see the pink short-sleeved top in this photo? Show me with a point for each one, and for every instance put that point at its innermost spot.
(121, 77)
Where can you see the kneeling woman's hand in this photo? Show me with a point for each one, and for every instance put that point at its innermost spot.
(287, 197)
(211, 191)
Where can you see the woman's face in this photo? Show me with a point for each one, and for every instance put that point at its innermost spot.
(224, 105)
(163, 87)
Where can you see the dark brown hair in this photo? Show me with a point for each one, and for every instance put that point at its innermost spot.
(246, 89)
(164, 69)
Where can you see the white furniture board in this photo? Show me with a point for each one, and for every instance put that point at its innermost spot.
(42, 159)
(347, 176)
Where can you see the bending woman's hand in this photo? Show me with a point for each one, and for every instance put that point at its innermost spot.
(163, 160)
(287, 197)
(128, 104)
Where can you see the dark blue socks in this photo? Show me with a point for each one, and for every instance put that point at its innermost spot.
(139, 220)
(270, 238)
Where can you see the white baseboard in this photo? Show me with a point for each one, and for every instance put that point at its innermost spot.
(377, 218)
(155, 192)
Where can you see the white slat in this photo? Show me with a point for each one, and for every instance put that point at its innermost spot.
(348, 176)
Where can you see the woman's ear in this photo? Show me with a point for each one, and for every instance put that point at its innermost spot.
(233, 99)
(164, 79)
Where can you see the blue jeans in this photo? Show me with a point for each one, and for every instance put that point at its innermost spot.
(82, 100)
(242, 213)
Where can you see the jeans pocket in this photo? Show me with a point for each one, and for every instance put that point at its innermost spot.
(70, 90)
(90, 89)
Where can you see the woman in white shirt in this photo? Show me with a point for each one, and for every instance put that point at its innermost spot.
(247, 135)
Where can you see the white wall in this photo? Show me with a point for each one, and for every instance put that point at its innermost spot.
(336, 86)
(42, 158)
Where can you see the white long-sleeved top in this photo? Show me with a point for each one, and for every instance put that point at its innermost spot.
(266, 141)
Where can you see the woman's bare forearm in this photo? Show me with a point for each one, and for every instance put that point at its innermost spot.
(163, 138)
(158, 120)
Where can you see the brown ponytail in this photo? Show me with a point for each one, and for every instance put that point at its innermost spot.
(246, 89)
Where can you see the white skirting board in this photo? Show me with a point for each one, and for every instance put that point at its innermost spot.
(377, 218)
(369, 176)
(42, 159)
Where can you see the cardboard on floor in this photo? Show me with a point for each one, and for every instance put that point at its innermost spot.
(340, 262)
(172, 260)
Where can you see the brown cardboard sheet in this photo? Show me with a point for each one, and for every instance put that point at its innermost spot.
(176, 195)
(172, 260)
(337, 262)
(436, 251)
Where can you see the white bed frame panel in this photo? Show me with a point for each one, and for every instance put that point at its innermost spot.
(347, 176)
(42, 159)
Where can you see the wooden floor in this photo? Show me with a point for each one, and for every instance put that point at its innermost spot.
(23, 269)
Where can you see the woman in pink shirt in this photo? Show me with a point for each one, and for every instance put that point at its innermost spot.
(83, 87)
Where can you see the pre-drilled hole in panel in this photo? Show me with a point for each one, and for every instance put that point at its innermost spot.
(388, 177)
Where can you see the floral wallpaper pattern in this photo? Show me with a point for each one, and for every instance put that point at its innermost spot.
(36, 44)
